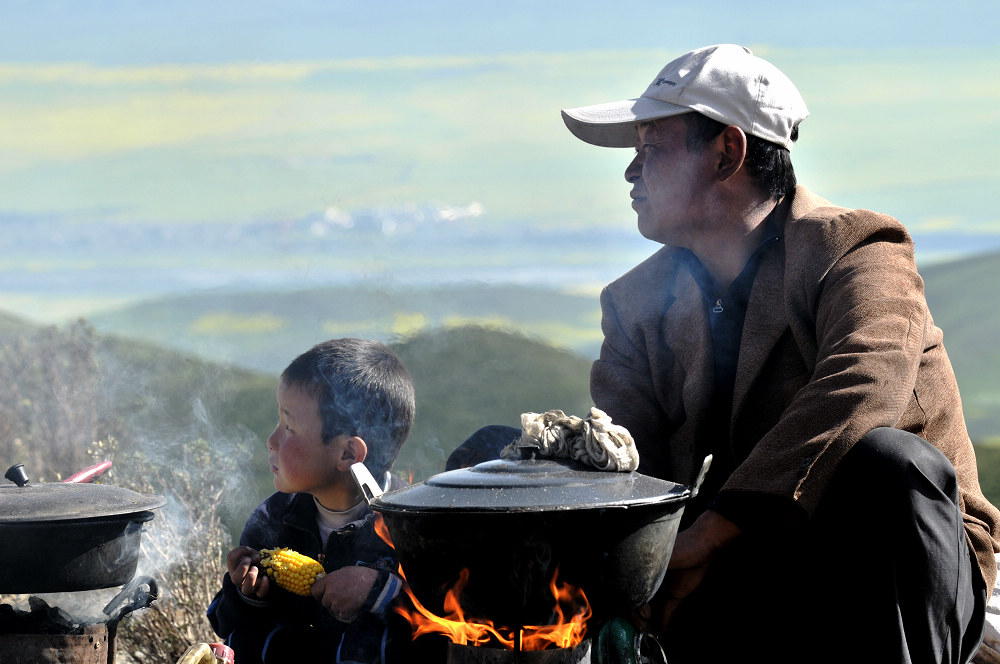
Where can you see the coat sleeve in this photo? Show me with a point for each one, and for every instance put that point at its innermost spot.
(860, 306)
(230, 609)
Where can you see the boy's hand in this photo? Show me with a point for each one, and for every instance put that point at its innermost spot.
(244, 572)
(343, 591)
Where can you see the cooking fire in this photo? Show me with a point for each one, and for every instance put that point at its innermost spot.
(528, 559)
(565, 632)
(475, 640)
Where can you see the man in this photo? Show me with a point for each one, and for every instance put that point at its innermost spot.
(842, 519)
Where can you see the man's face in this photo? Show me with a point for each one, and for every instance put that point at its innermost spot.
(668, 182)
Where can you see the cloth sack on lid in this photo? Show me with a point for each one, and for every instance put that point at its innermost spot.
(595, 441)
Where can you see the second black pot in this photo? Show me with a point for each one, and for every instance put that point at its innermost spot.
(69, 537)
(67, 556)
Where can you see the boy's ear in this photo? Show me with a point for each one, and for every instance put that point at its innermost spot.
(354, 450)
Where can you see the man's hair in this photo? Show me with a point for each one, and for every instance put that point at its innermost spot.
(768, 164)
(363, 390)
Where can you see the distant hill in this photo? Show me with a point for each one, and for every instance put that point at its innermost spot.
(65, 390)
(11, 323)
(963, 297)
(158, 400)
(466, 378)
(259, 330)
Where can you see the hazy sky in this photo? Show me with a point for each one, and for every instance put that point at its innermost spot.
(228, 111)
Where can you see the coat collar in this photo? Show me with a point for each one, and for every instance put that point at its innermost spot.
(685, 324)
(765, 320)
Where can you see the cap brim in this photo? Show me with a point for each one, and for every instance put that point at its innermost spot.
(613, 125)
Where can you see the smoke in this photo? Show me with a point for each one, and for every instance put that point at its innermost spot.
(171, 425)
(187, 429)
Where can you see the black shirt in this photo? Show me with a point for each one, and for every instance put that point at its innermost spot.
(726, 314)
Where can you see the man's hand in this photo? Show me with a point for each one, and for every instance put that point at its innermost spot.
(343, 591)
(244, 572)
(693, 551)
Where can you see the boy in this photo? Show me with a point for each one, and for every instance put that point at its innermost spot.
(344, 401)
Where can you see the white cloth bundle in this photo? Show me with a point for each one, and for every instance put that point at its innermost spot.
(594, 441)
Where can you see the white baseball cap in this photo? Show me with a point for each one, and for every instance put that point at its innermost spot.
(726, 82)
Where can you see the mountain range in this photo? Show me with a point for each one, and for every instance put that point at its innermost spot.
(260, 329)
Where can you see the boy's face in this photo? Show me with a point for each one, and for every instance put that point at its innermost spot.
(299, 459)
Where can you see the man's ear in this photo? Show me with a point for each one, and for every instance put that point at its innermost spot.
(731, 152)
(354, 450)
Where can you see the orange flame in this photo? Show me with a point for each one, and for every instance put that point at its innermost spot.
(564, 633)
(382, 530)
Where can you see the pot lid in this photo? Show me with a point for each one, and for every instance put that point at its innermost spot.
(60, 502)
(534, 485)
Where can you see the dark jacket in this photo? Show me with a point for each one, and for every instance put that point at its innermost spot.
(837, 341)
(289, 520)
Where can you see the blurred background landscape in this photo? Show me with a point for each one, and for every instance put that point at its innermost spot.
(227, 185)
(191, 194)
(213, 189)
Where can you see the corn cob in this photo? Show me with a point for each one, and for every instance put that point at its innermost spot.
(290, 569)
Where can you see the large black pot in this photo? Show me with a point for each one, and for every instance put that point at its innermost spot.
(67, 537)
(513, 524)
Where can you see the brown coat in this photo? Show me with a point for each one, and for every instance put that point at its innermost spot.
(837, 341)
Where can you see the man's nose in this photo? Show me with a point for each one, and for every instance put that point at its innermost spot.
(634, 169)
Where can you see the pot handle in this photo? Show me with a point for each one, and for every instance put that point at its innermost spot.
(705, 465)
(139, 593)
(17, 474)
(366, 483)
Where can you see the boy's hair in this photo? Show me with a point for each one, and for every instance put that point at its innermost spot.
(363, 390)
